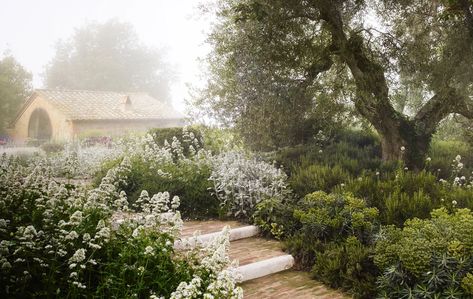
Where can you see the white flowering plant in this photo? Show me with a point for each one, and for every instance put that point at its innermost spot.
(49, 232)
(214, 276)
(231, 182)
(61, 240)
(180, 166)
(79, 161)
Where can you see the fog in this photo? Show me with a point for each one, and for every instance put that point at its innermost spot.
(30, 29)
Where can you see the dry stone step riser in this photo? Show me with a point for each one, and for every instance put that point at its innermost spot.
(235, 234)
(257, 257)
(265, 267)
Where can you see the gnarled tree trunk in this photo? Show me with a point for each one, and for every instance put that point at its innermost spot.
(372, 100)
(406, 145)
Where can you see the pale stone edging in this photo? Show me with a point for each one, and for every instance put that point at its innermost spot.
(265, 267)
(235, 234)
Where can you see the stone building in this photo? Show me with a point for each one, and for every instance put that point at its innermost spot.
(63, 115)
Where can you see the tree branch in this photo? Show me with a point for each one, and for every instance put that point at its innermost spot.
(467, 8)
(372, 89)
(440, 105)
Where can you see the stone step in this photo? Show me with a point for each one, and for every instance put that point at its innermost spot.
(256, 257)
(254, 249)
(265, 267)
(259, 257)
(289, 284)
(235, 234)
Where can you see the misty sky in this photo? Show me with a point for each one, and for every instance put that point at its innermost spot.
(30, 29)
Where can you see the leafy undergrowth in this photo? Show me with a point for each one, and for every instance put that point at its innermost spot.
(377, 229)
(60, 240)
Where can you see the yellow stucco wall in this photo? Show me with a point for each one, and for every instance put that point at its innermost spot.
(61, 128)
(120, 127)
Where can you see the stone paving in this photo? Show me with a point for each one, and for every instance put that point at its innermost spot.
(206, 227)
(287, 284)
(251, 250)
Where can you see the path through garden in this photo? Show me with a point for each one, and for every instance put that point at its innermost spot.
(258, 256)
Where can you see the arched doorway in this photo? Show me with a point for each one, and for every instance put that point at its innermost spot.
(39, 126)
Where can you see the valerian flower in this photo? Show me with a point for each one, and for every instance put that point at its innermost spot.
(78, 256)
(149, 250)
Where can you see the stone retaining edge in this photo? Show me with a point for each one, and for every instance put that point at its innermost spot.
(265, 267)
(235, 234)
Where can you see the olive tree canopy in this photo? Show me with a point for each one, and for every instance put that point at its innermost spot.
(403, 64)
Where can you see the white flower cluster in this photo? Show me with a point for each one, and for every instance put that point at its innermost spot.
(171, 151)
(241, 182)
(108, 194)
(82, 161)
(460, 180)
(222, 276)
(159, 157)
(72, 229)
(52, 221)
(320, 138)
(158, 213)
(30, 245)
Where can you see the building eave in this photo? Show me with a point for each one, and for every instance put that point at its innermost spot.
(25, 106)
(125, 119)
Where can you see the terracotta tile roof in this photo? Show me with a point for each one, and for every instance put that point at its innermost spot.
(106, 105)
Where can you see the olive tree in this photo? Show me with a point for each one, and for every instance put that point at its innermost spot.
(404, 65)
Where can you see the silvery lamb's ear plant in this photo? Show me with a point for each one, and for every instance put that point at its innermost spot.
(241, 182)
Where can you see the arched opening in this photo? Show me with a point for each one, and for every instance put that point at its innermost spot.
(39, 126)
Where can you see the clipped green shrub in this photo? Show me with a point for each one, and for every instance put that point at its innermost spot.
(348, 265)
(334, 217)
(52, 147)
(274, 217)
(331, 234)
(430, 258)
(359, 138)
(189, 181)
(313, 178)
